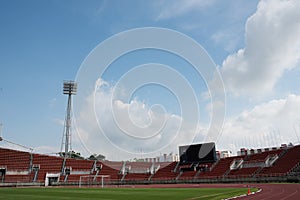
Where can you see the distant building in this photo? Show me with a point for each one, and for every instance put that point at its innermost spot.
(244, 151)
(223, 154)
(168, 158)
(163, 158)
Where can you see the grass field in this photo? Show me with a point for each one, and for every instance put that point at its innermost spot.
(118, 193)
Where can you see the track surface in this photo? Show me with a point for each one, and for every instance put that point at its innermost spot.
(275, 191)
(268, 192)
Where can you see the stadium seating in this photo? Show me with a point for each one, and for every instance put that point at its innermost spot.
(193, 170)
(17, 166)
(262, 156)
(187, 175)
(13, 160)
(108, 168)
(285, 164)
(243, 172)
(138, 167)
(136, 176)
(220, 168)
(166, 171)
(17, 178)
(137, 171)
(78, 168)
(80, 165)
(47, 164)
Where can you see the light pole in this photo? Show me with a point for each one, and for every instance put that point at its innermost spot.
(69, 88)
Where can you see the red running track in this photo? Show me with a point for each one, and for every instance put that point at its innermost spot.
(275, 192)
(268, 191)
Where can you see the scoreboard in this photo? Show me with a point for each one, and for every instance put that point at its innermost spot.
(205, 152)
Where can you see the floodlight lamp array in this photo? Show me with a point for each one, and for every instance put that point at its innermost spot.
(70, 87)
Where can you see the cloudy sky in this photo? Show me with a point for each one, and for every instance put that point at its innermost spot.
(217, 71)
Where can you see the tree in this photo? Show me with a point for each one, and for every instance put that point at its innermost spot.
(92, 157)
(97, 157)
(72, 154)
(76, 155)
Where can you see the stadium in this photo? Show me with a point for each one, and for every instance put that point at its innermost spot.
(200, 167)
(269, 165)
(179, 100)
(199, 172)
(242, 174)
(198, 163)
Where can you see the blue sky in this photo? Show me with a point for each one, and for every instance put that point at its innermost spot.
(255, 45)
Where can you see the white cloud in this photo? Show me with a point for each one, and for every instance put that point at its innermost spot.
(122, 130)
(272, 47)
(170, 9)
(227, 39)
(267, 124)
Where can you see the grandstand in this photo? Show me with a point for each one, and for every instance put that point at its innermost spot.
(276, 164)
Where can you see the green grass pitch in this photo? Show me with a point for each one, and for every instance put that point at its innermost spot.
(118, 193)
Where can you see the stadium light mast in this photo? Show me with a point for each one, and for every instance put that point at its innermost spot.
(69, 88)
(1, 132)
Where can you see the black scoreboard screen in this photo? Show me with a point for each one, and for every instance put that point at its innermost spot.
(205, 152)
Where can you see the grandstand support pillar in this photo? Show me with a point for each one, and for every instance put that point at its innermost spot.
(30, 162)
(177, 165)
(178, 176)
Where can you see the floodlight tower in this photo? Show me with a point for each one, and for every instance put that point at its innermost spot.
(70, 88)
(1, 132)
